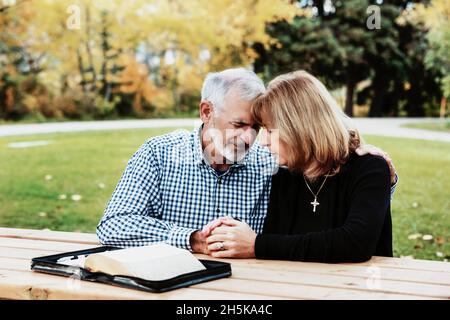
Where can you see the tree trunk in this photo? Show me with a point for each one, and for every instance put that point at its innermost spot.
(442, 111)
(351, 84)
(105, 86)
(395, 96)
(379, 93)
(415, 101)
(88, 50)
(320, 8)
(81, 69)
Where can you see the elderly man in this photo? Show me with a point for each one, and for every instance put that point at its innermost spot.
(177, 183)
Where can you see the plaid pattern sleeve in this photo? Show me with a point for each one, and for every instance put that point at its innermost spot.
(394, 186)
(168, 191)
(132, 215)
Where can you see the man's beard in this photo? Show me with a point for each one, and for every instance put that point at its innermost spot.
(232, 152)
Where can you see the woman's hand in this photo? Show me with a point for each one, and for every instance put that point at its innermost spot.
(213, 224)
(232, 239)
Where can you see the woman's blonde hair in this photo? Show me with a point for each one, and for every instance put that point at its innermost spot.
(318, 135)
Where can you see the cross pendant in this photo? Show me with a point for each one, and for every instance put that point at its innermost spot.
(315, 204)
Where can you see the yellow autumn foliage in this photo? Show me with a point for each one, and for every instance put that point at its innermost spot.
(202, 35)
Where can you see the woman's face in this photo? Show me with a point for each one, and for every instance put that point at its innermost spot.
(270, 138)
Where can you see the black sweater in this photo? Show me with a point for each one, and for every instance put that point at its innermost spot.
(351, 224)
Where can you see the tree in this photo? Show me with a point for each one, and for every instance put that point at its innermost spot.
(301, 44)
(435, 17)
(329, 44)
(80, 47)
(353, 37)
(386, 61)
(334, 42)
(19, 66)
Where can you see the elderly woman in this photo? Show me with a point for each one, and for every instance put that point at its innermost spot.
(327, 204)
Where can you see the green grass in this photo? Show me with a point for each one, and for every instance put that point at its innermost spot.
(443, 126)
(421, 203)
(79, 162)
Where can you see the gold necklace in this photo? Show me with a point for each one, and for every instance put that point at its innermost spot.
(315, 203)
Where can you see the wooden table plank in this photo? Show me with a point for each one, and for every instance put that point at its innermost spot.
(356, 270)
(343, 270)
(297, 291)
(364, 284)
(412, 264)
(246, 273)
(392, 263)
(232, 287)
(56, 246)
(26, 254)
(62, 236)
(252, 279)
(90, 238)
(33, 285)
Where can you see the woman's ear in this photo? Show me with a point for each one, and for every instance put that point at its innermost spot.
(206, 111)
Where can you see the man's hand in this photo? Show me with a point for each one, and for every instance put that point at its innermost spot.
(232, 239)
(370, 149)
(198, 238)
(198, 242)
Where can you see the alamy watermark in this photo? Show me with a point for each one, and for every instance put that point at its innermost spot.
(373, 282)
(73, 22)
(373, 21)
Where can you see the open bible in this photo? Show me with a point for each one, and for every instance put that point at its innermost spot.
(156, 268)
(154, 262)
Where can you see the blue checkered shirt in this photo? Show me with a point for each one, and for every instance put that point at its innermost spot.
(168, 191)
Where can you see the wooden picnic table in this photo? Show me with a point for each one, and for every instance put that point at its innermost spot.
(379, 278)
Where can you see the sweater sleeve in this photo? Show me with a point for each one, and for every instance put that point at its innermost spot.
(356, 240)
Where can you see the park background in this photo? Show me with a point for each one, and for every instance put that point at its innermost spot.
(63, 61)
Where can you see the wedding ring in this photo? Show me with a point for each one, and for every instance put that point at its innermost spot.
(221, 246)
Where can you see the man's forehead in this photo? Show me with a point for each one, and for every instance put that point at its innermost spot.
(236, 108)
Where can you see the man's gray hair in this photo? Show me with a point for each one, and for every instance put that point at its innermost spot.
(217, 84)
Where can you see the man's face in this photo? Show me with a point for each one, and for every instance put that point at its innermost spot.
(232, 128)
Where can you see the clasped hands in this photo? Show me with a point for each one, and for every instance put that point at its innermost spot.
(225, 237)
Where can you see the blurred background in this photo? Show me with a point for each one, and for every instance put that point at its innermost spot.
(386, 62)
